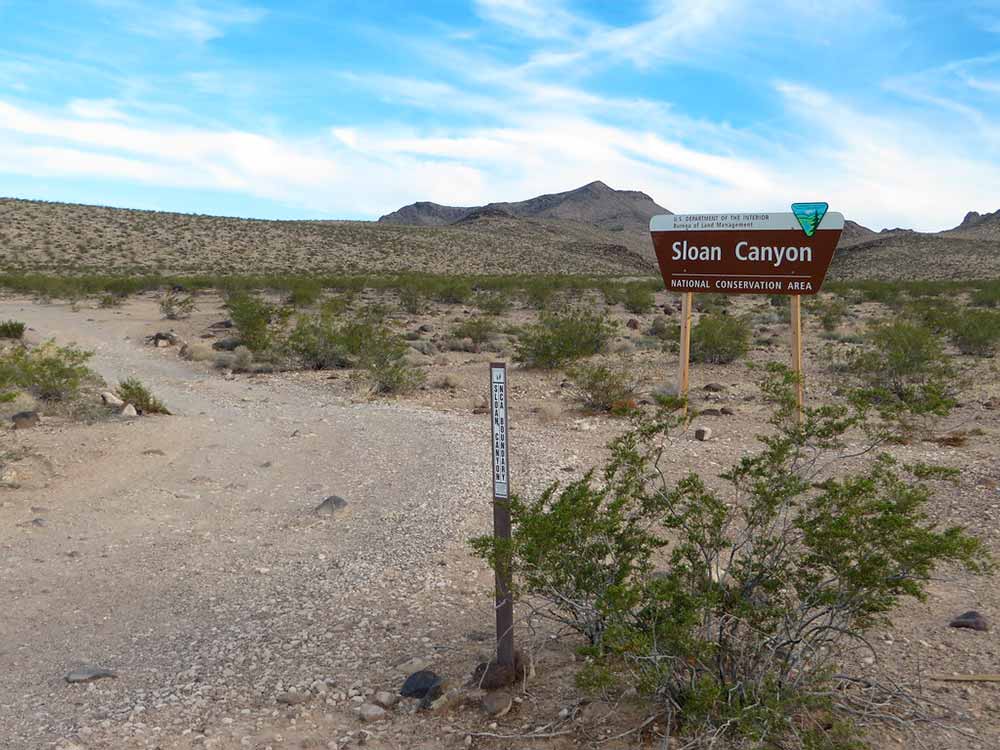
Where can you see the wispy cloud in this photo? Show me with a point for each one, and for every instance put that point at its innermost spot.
(190, 19)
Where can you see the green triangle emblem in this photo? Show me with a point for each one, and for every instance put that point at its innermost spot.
(810, 215)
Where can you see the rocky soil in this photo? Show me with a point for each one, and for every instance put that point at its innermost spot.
(185, 555)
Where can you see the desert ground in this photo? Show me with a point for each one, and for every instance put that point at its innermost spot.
(184, 552)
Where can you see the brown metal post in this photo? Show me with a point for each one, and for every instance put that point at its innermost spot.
(501, 511)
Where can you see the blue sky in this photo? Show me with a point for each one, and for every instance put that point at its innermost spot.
(888, 110)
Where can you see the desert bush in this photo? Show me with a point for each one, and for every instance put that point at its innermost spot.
(478, 329)
(987, 295)
(11, 329)
(452, 291)
(831, 313)
(560, 338)
(539, 295)
(318, 343)
(132, 391)
(975, 332)
(411, 299)
(715, 304)
(48, 372)
(904, 370)
(638, 298)
(603, 388)
(492, 303)
(176, 305)
(304, 293)
(252, 317)
(242, 359)
(383, 359)
(719, 339)
(111, 300)
(614, 294)
(763, 588)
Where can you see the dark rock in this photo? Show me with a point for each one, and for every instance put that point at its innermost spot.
(426, 328)
(715, 387)
(703, 434)
(727, 411)
(292, 699)
(971, 620)
(710, 413)
(39, 522)
(632, 324)
(25, 419)
(331, 505)
(227, 344)
(88, 674)
(422, 684)
(222, 324)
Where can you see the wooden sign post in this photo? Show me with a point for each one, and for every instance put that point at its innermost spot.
(501, 511)
(746, 253)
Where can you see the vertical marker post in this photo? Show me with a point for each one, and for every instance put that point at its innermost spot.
(501, 511)
(683, 375)
(800, 396)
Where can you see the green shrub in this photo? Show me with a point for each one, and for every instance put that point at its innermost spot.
(304, 293)
(383, 358)
(111, 300)
(48, 372)
(768, 577)
(453, 292)
(719, 339)
(539, 295)
(560, 338)
(132, 391)
(638, 298)
(478, 329)
(714, 304)
(904, 370)
(411, 299)
(975, 332)
(492, 303)
(831, 313)
(988, 295)
(603, 389)
(252, 318)
(176, 306)
(614, 294)
(11, 329)
(317, 343)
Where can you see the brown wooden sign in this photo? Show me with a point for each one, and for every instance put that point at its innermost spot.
(746, 253)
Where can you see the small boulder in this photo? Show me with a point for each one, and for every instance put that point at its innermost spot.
(727, 411)
(370, 712)
(497, 704)
(710, 413)
(385, 699)
(971, 620)
(426, 328)
(292, 699)
(632, 324)
(227, 344)
(715, 387)
(422, 684)
(129, 411)
(703, 434)
(25, 419)
(111, 399)
(88, 674)
(330, 505)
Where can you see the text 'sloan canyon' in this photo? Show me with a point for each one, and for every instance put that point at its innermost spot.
(744, 253)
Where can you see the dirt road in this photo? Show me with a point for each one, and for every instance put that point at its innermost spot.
(182, 552)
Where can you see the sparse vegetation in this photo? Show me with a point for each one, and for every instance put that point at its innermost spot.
(132, 391)
(719, 339)
(479, 329)
(492, 303)
(560, 338)
(252, 317)
(48, 372)
(638, 298)
(176, 305)
(975, 332)
(11, 329)
(760, 591)
(603, 389)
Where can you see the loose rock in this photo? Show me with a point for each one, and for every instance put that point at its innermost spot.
(385, 699)
(971, 620)
(330, 505)
(89, 674)
(715, 387)
(25, 419)
(421, 684)
(292, 699)
(129, 411)
(110, 399)
(703, 434)
(371, 712)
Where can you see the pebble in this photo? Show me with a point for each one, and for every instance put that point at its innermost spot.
(88, 674)
(371, 712)
(330, 505)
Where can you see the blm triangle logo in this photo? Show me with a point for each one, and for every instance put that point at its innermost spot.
(809, 215)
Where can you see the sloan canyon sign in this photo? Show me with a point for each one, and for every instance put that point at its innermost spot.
(747, 253)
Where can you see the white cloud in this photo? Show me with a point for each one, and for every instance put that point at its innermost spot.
(197, 20)
(97, 109)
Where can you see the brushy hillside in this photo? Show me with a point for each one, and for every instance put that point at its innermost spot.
(910, 256)
(70, 238)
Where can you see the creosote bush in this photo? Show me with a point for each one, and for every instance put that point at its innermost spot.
(253, 317)
(478, 329)
(176, 305)
(11, 329)
(975, 332)
(638, 298)
(732, 606)
(603, 388)
(132, 391)
(559, 338)
(48, 372)
(492, 303)
(719, 339)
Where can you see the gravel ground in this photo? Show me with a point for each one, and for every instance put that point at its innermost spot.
(183, 554)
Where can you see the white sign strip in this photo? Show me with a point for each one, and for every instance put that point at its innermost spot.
(498, 400)
(736, 222)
